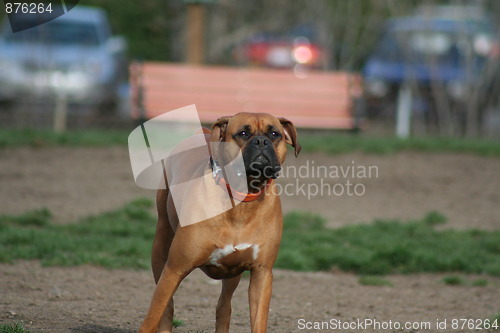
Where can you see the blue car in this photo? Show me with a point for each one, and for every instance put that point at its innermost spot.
(446, 61)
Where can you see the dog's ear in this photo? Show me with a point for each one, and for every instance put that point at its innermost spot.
(290, 134)
(219, 128)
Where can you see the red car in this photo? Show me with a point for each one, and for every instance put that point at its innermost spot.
(281, 51)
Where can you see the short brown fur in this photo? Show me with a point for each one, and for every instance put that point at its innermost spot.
(178, 252)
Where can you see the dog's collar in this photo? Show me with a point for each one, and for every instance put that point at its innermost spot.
(240, 196)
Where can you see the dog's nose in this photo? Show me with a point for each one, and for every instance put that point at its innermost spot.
(260, 141)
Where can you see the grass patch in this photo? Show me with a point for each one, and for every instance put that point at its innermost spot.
(338, 144)
(177, 322)
(370, 280)
(329, 143)
(454, 280)
(122, 239)
(17, 327)
(494, 323)
(384, 247)
(118, 239)
(46, 138)
(480, 283)
(37, 218)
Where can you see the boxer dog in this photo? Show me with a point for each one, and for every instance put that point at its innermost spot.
(246, 237)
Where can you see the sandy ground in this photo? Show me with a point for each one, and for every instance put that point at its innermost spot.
(77, 182)
(90, 299)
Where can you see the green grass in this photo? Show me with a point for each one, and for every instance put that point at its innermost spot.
(177, 322)
(17, 327)
(44, 138)
(480, 283)
(329, 143)
(384, 247)
(122, 239)
(118, 239)
(370, 280)
(454, 280)
(338, 144)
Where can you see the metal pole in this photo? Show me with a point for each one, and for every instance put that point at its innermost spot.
(403, 112)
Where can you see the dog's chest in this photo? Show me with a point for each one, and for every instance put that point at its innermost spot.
(232, 255)
(231, 259)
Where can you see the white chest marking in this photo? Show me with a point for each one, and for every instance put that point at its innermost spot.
(228, 249)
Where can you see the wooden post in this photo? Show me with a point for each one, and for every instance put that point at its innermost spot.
(195, 33)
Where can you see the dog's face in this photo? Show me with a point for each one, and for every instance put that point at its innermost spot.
(260, 137)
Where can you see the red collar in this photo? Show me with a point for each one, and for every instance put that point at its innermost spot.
(244, 197)
(240, 196)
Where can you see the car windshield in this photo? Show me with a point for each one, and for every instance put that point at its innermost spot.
(58, 32)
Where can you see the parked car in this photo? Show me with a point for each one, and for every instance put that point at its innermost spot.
(449, 57)
(74, 54)
(282, 50)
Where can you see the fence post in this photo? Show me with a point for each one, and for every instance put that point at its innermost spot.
(60, 112)
(195, 42)
(403, 112)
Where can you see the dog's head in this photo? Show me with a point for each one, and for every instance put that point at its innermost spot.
(260, 137)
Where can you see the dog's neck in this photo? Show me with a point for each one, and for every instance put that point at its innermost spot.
(256, 186)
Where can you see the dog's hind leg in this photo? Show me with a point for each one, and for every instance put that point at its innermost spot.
(223, 312)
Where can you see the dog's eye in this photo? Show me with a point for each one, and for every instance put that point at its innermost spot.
(275, 134)
(243, 133)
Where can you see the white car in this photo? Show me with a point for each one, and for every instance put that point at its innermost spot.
(74, 54)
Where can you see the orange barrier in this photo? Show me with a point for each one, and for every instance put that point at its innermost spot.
(312, 100)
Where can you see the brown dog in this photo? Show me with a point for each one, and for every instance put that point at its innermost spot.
(246, 237)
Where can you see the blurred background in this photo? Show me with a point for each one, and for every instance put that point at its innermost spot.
(353, 75)
(433, 62)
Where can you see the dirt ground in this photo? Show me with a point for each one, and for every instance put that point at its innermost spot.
(77, 182)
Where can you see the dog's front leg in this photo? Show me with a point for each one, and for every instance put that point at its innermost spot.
(167, 320)
(165, 289)
(259, 295)
(223, 312)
